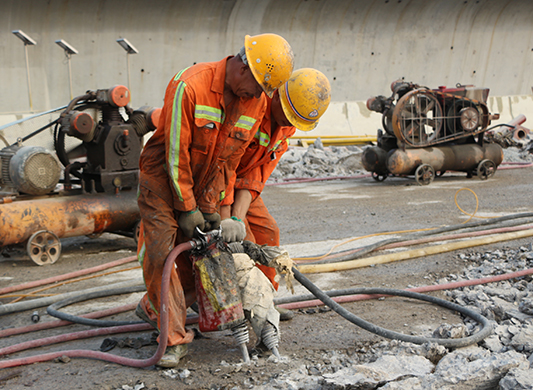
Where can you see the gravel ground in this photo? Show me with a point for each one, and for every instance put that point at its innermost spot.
(320, 349)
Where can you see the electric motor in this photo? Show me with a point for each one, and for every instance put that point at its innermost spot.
(32, 170)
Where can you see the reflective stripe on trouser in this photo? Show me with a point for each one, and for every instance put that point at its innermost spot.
(158, 236)
(262, 229)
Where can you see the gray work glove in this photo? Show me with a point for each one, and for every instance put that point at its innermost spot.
(233, 229)
(188, 221)
(212, 221)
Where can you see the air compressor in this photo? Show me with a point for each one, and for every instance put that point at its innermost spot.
(427, 132)
(87, 190)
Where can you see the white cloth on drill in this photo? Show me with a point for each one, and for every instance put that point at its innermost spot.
(257, 294)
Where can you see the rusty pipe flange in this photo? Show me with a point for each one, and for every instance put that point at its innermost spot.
(43, 247)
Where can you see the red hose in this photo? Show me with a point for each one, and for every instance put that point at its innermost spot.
(163, 338)
(305, 180)
(436, 287)
(516, 166)
(58, 323)
(82, 335)
(519, 163)
(73, 336)
(54, 279)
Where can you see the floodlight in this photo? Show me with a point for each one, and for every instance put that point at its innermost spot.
(65, 46)
(27, 42)
(24, 37)
(130, 49)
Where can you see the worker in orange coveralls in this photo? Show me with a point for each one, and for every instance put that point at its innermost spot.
(299, 103)
(211, 112)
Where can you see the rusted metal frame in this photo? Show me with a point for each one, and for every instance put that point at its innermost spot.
(485, 116)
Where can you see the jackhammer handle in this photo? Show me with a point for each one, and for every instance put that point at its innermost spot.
(203, 239)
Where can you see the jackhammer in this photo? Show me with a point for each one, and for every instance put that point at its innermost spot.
(231, 290)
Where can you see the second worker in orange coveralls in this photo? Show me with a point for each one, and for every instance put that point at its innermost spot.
(299, 103)
(211, 112)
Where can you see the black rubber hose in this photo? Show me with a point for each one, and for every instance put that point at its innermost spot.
(60, 148)
(53, 309)
(37, 131)
(500, 125)
(486, 325)
(352, 254)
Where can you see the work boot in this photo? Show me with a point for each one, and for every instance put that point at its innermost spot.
(284, 314)
(172, 356)
(139, 312)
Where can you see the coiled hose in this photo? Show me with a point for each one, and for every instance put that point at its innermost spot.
(485, 331)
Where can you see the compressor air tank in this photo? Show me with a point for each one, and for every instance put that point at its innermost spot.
(464, 158)
(56, 217)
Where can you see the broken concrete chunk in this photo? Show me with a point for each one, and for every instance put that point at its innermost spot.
(517, 379)
(526, 306)
(493, 343)
(385, 369)
(476, 369)
(406, 384)
(447, 331)
(523, 340)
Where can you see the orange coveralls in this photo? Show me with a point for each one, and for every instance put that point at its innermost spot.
(259, 161)
(187, 163)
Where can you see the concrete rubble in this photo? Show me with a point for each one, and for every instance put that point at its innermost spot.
(332, 161)
(502, 361)
(319, 161)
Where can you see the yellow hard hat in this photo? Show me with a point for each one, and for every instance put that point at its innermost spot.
(271, 60)
(305, 98)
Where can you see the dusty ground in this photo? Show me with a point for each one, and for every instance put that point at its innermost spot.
(312, 218)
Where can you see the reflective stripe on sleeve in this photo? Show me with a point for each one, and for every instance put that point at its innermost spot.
(140, 255)
(245, 122)
(174, 144)
(264, 138)
(209, 113)
(276, 145)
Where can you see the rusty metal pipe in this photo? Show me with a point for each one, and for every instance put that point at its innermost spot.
(513, 127)
(519, 132)
(443, 158)
(68, 216)
(518, 120)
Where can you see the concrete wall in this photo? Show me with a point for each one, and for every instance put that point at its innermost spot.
(361, 45)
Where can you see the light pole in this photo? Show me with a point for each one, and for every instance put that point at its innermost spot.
(130, 49)
(27, 42)
(69, 50)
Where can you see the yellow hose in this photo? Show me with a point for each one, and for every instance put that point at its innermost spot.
(411, 254)
(306, 259)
